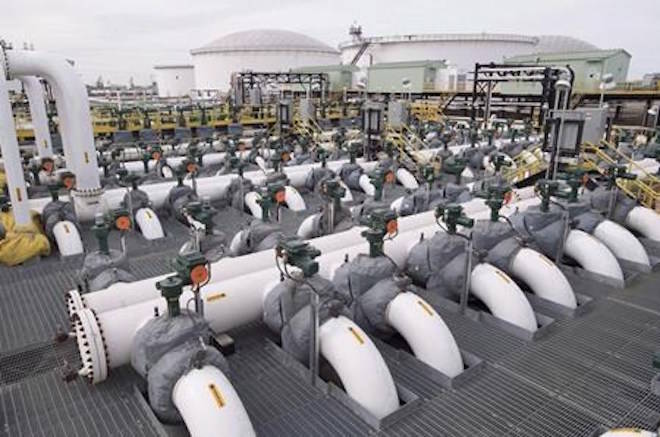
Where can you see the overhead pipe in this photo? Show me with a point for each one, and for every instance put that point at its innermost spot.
(36, 99)
(10, 152)
(122, 294)
(78, 136)
(208, 402)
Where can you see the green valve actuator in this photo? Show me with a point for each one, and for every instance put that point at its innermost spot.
(453, 216)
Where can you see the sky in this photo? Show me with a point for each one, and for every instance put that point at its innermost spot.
(120, 39)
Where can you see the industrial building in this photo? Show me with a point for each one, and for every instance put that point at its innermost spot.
(256, 50)
(340, 76)
(412, 76)
(174, 80)
(589, 67)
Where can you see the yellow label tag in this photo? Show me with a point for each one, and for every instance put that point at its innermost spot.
(45, 144)
(19, 195)
(217, 395)
(148, 215)
(356, 334)
(425, 307)
(216, 296)
(546, 260)
(86, 158)
(503, 276)
(66, 228)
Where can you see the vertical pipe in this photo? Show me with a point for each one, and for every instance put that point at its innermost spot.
(11, 154)
(35, 94)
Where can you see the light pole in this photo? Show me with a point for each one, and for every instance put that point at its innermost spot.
(606, 83)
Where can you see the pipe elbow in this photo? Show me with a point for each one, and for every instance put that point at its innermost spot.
(149, 224)
(208, 402)
(645, 221)
(427, 334)
(366, 185)
(592, 255)
(67, 238)
(406, 179)
(293, 199)
(621, 242)
(502, 296)
(251, 203)
(360, 366)
(306, 228)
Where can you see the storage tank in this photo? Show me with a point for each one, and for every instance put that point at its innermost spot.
(461, 50)
(174, 80)
(257, 50)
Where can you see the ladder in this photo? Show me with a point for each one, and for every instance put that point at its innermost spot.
(646, 188)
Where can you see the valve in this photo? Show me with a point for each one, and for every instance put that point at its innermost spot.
(574, 179)
(203, 212)
(273, 194)
(68, 180)
(300, 254)
(427, 173)
(455, 166)
(546, 189)
(171, 289)
(101, 230)
(496, 196)
(453, 216)
(616, 171)
(322, 155)
(121, 219)
(381, 222)
(192, 269)
(499, 160)
(378, 178)
(353, 150)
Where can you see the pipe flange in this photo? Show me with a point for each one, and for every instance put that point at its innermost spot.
(90, 192)
(91, 346)
(74, 302)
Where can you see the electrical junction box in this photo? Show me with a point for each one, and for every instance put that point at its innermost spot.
(595, 124)
(397, 114)
(566, 127)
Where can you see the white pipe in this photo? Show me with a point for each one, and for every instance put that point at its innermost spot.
(543, 277)
(250, 201)
(307, 227)
(629, 432)
(645, 221)
(236, 242)
(149, 225)
(209, 404)
(427, 334)
(396, 204)
(80, 138)
(592, 255)
(67, 238)
(366, 185)
(348, 196)
(502, 296)
(410, 227)
(621, 242)
(11, 155)
(36, 99)
(406, 179)
(293, 199)
(360, 366)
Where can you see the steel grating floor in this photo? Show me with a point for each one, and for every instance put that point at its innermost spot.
(588, 372)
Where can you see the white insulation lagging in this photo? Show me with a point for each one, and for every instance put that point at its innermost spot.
(543, 277)
(418, 322)
(621, 242)
(209, 404)
(67, 238)
(360, 366)
(645, 221)
(37, 100)
(592, 255)
(122, 294)
(502, 296)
